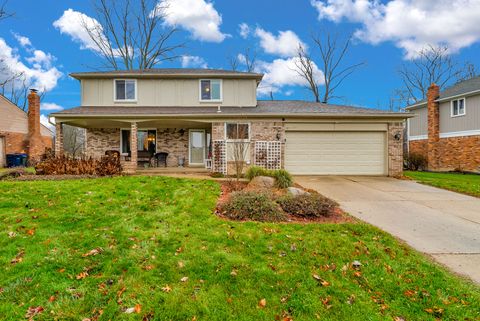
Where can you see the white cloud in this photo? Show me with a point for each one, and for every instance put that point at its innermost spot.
(197, 16)
(50, 107)
(73, 24)
(244, 30)
(282, 73)
(193, 61)
(37, 73)
(285, 44)
(22, 40)
(410, 24)
(44, 121)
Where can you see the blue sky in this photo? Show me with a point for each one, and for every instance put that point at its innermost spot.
(385, 34)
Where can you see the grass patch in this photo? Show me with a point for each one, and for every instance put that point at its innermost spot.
(154, 231)
(461, 183)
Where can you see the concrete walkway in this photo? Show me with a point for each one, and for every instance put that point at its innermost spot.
(441, 223)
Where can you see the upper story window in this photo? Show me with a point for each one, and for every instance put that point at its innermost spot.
(125, 90)
(237, 131)
(458, 107)
(210, 90)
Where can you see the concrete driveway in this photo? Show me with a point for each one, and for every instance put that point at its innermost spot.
(444, 224)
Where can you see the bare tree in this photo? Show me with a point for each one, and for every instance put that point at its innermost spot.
(333, 51)
(131, 35)
(4, 14)
(73, 140)
(304, 66)
(469, 71)
(433, 64)
(247, 58)
(239, 146)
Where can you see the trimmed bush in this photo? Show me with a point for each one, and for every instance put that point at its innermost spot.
(252, 205)
(415, 162)
(66, 165)
(254, 171)
(308, 205)
(283, 179)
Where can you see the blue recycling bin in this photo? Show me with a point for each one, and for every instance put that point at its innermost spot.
(16, 160)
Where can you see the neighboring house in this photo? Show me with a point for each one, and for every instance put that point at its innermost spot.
(197, 115)
(446, 127)
(21, 132)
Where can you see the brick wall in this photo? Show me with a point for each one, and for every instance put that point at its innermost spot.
(454, 153)
(99, 140)
(173, 141)
(18, 142)
(395, 149)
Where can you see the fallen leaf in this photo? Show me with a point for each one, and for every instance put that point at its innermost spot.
(12, 234)
(351, 299)
(409, 293)
(148, 267)
(82, 275)
(181, 264)
(51, 299)
(61, 270)
(357, 274)
(262, 303)
(399, 319)
(184, 279)
(166, 288)
(33, 311)
(93, 252)
(129, 310)
(320, 280)
(178, 251)
(18, 258)
(138, 308)
(233, 273)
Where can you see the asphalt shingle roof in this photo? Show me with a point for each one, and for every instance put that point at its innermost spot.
(169, 72)
(264, 107)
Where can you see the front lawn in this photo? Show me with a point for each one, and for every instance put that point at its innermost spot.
(461, 183)
(149, 248)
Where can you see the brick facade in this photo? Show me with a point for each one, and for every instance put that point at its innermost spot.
(99, 140)
(454, 153)
(433, 126)
(173, 141)
(36, 147)
(395, 149)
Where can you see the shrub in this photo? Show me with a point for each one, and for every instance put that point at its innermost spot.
(65, 165)
(252, 205)
(283, 179)
(254, 171)
(415, 161)
(307, 205)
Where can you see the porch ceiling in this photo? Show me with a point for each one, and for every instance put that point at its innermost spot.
(145, 123)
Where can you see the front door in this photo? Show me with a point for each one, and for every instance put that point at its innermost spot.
(197, 147)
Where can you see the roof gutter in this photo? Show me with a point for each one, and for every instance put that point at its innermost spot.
(80, 76)
(216, 115)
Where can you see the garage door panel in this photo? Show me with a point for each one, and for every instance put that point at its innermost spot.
(336, 153)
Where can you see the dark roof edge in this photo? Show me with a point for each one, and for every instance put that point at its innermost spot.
(110, 75)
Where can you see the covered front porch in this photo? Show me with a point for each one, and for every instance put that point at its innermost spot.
(146, 143)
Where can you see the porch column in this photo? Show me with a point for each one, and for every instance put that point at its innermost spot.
(58, 139)
(133, 147)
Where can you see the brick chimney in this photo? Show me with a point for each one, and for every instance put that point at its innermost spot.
(35, 144)
(433, 94)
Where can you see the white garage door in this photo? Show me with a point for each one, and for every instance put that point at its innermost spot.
(336, 153)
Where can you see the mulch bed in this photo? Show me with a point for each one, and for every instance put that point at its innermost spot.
(337, 217)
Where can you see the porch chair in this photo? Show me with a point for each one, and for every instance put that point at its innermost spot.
(161, 158)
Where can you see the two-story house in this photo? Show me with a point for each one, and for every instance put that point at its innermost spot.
(446, 127)
(196, 115)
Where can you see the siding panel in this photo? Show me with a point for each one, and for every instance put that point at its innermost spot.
(471, 120)
(419, 123)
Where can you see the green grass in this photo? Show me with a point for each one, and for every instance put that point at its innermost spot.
(461, 183)
(156, 230)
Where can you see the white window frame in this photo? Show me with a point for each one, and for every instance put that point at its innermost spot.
(210, 100)
(138, 129)
(190, 146)
(238, 140)
(124, 100)
(464, 107)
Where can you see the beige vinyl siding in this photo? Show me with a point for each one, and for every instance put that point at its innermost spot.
(470, 121)
(336, 153)
(418, 125)
(169, 92)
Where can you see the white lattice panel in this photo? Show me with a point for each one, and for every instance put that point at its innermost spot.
(219, 157)
(268, 154)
